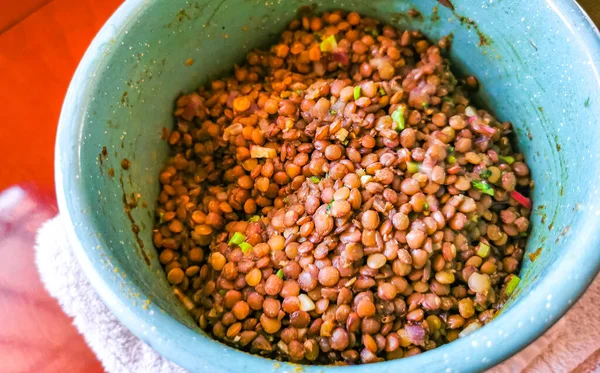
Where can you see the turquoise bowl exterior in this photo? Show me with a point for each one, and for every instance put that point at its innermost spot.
(537, 61)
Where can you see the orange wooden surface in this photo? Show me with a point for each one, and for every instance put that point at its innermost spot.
(38, 55)
(41, 43)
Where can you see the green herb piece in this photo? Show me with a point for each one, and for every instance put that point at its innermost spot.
(356, 92)
(328, 44)
(222, 292)
(246, 247)
(254, 219)
(280, 273)
(425, 105)
(485, 173)
(412, 167)
(299, 91)
(451, 149)
(482, 250)
(508, 159)
(512, 285)
(237, 238)
(479, 308)
(426, 206)
(451, 159)
(329, 206)
(160, 218)
(315, 179)
(372, 31)
(381, 91)
(398, 118)
(332, 112)
(483, 187)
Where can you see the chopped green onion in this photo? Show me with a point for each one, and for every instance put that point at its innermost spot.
(426, 206)
(328, 44)
(372, 31)
(222, 292)
(246, 247)
(356, 92)
(381, 91)
(425, 105)
(485, 173)
(315, 179)
(479, 308)
(451, 159)
(329, 206)
(412, 167)
(398, 118)
(280, 273)
(508, 159)
(332, 112)
(512, 285)
(237, 238)
(482, 250)
(254, 219)
(483, 187)
(451, 149)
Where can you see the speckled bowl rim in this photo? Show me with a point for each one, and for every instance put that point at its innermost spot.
(187, 348)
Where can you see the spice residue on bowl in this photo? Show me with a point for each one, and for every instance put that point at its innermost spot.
(340, 200)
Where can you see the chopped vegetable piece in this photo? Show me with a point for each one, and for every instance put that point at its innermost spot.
(356, 92)
(299, 91)
(222, 292)
(426, 206)
(451, 159)
(372, 31)
(425, 105)
(329, 206)
(521, 199)
(315, 179)
(280, 273)
(508, 159)
(237, 238)
(254, 219)
(451, 149)
(483, 187)
(262, 152)
(512, 285)
(381, 91)
(161, 218)
(246, 247)
(482, 250)
(398, 118)
(412, 167)
(332, 112)
(485, 173)
(328, 44)
(342, 134)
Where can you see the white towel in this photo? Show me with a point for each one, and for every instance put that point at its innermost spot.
(572, 345)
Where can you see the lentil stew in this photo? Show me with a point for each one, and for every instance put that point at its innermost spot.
(339, 200)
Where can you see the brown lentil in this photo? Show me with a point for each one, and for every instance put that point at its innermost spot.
(297, 222)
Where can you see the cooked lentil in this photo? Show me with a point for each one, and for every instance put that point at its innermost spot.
(340, 200)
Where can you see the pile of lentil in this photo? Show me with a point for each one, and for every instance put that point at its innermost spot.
(338, 200)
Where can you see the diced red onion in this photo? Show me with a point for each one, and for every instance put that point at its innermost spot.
(341, 56)
(521, 199)
(416, 334)
(231, 97)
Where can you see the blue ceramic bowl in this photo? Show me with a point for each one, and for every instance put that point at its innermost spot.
(537, 61)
